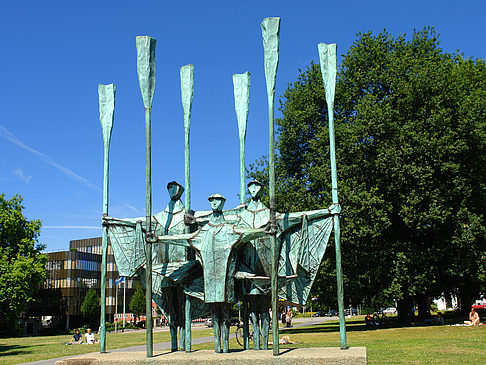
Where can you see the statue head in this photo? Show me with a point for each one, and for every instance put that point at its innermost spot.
(255, 189)
(217, 202)
(175, 190)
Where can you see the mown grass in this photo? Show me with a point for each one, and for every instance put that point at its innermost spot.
(26, 349)
(392, 345)
(396, 345)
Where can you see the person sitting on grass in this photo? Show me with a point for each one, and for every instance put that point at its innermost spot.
(77, 338)
(473, 318)
(438, 320)
(369, 320)
(89, 337)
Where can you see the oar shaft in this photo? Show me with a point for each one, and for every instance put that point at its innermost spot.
(148, 209)
(106, 94)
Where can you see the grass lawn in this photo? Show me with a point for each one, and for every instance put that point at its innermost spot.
(398, 345)
(25, 349)
(393, 345)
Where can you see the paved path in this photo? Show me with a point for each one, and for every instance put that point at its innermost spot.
(300, 322)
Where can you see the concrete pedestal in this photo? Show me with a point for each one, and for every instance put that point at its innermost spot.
(300, 356)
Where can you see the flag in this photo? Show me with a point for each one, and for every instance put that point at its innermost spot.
(121, 280)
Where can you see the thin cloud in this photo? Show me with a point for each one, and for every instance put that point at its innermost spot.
(131, 207)
(72, 227)
(6, 134)
(19, 172)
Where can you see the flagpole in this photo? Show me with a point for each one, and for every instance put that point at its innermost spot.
(116, 306)
(106, 95)
(327, 55)
(124, 291)
(270, 33)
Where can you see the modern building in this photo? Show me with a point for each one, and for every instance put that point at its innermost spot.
(70, 274)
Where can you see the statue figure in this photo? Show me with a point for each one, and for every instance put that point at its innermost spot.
(128, 246)
(296, 236)
(215, 243)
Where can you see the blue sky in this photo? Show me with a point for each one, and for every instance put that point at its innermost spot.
(54, 54)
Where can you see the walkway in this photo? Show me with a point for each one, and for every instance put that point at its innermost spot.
(300, 322)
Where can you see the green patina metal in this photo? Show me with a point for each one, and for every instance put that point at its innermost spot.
(106, 94)
(250, 253)
(187, 95)
(241, 87)
(270, 33)
(327, 56)
(146, 78)
(215, 244)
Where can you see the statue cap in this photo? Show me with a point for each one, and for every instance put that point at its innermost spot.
(216, 196)
(255, 181)
(174, 183)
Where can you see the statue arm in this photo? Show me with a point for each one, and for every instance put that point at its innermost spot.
(289, 220)
(185, 239)
(248, 234)
(129, 222)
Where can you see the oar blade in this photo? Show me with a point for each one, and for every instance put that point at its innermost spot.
(327, 56)
(187, 92)
(271, 40)
(106, 94)
(146, 68)
(241, 88)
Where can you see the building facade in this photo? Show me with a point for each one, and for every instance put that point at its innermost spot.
(70, 274)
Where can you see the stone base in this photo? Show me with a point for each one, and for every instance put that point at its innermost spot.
(300, 356)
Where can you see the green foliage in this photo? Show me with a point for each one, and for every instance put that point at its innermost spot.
(138, 303)
(22, 266)
(411, 142)
(91, 308)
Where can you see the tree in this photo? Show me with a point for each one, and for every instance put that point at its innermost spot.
(411, 142)
(22, 266)
(91, 308)
(138, 303)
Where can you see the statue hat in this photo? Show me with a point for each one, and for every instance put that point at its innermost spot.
(216, 196)
(255, 181)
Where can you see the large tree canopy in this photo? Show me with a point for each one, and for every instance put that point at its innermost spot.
(411, 153)
(22, 266)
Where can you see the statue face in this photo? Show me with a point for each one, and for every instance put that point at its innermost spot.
(217, 204)
(255, 190)
(175, 191)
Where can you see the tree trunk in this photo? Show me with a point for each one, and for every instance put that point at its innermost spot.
(405, 310)
(466, 299)
(423, 306)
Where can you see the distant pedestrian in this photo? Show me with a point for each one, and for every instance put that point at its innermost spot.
(288, 318)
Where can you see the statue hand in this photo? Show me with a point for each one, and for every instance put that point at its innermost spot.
(335, 209)
(271, 228)
(104, 220)
(189, 218)
(150, 237)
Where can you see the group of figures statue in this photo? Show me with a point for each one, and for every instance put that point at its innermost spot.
(232, 260)
(196, 263)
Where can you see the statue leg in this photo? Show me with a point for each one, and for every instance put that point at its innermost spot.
(182, 337)
(181, 321)
(173, 337)
(265, 317)
(226, 321)
(255, 325)
(216, 327)
(246, 325)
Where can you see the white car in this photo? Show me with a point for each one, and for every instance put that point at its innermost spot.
(390, 310)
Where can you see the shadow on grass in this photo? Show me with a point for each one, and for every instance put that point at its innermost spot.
(12, 350)
(351, 326)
